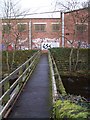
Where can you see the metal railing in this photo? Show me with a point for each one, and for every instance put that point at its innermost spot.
(55, 76)
(10, 92)
(54, 88)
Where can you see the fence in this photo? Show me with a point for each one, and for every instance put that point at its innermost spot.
(10, 92)
(57, 85)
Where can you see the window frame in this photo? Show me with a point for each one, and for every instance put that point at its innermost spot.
(54, 28)
(82, 26)
(23, 25)
(40, 27)
(6, 27)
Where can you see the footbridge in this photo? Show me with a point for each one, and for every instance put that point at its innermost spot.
(26, 91)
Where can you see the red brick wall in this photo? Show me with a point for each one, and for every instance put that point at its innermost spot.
(72, 18)
(12, 38)
(49, 34)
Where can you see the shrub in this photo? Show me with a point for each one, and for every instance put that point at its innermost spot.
(68, 109)
(20, 58)
(61, 57)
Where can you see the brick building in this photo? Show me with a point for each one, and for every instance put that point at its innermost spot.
(32, 33)
(76, 27)
(44, 33)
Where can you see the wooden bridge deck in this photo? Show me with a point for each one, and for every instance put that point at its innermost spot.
(34, 100)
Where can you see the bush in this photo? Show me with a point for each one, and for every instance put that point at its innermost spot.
(71, 106)
(68, 109)
(20, 58)
(61, 57)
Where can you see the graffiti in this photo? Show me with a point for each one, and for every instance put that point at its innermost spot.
(2, 47)
(22, 41)
(46, 46)
(83, 44)
(45, 43)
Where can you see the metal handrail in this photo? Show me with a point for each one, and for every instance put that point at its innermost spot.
(12, 91)
(54, 72)
(54, 88)
(16, 71)
(59, 78)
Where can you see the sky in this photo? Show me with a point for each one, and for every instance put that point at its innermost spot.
(35, 3)
(43, 3)
(38, 6)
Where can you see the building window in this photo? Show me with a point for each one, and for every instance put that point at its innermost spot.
(40, 27)
(21, 27)
(81, 28)
(6, 28)
(55, 26)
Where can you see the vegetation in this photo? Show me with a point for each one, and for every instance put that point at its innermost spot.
(62, 55)
(20, 58)
(12, 29)
(71, 106)
(76, 109)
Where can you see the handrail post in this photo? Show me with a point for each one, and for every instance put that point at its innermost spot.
(27, 65)
(20, 81)
(10, 92)
(5, 87)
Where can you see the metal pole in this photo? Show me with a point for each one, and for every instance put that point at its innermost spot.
(30, 35)
(1, 66)
(62, 17)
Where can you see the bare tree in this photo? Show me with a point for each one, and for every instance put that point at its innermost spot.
(11, 12)
(75, 17)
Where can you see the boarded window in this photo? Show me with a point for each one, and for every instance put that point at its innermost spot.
(55, 27)
(40, 27)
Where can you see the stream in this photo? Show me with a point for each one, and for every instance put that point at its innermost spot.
(77, 86)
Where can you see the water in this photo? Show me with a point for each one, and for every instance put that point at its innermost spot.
(77, 86)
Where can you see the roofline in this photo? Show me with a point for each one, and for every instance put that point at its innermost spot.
(28, 18)
(75, 10)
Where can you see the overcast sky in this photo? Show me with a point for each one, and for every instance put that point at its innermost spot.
(37, 6)
(35, 3)
(43, 3)
(44, 6)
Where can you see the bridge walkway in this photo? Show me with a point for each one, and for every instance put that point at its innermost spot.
(33, 102)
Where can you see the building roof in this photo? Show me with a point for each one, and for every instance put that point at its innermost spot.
(75, 10)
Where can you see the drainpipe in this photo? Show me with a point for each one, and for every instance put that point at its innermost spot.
(1, 67)
(1, 51)
(30, 35)
(62, 19)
